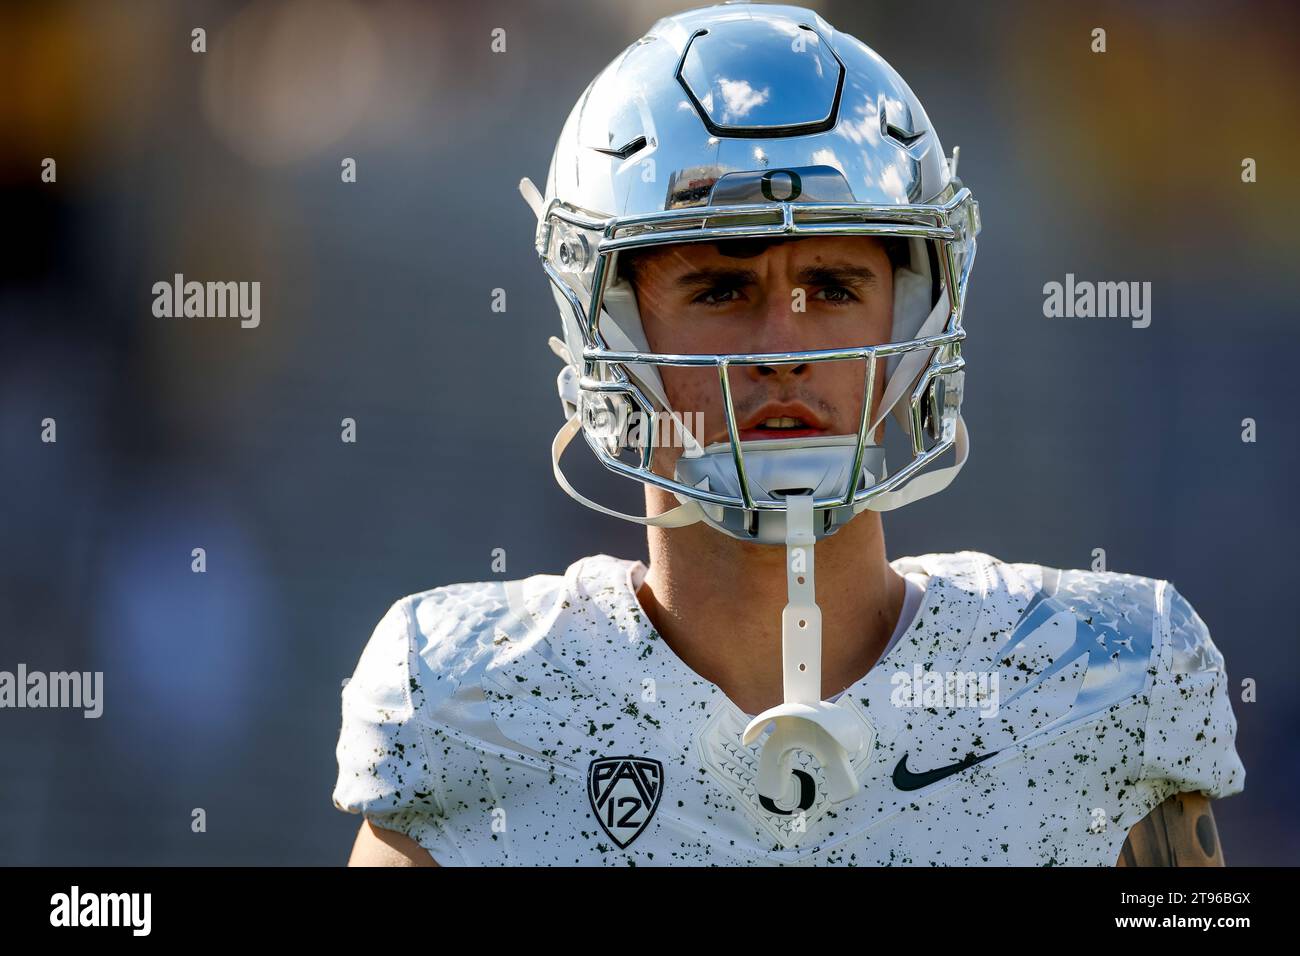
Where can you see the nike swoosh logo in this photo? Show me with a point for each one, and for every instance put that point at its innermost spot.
(904, 779)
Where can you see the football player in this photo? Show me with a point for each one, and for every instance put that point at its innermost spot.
(761, 253)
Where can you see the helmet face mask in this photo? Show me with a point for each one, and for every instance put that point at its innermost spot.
(719, 127)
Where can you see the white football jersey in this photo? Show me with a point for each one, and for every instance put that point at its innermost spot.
(1027, 716)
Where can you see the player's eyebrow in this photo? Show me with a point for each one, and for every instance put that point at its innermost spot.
(835, 273)
(719, 275)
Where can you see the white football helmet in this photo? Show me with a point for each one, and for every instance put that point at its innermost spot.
(748, 121)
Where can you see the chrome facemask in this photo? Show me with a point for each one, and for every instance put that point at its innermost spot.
(741, 486)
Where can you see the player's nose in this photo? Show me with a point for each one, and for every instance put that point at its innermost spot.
(779, 329)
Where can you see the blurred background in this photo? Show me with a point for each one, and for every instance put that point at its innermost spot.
(222, 689)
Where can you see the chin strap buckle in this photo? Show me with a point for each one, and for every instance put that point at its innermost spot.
(830, 732)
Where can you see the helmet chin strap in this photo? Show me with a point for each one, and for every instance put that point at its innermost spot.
(804, 721)
(686, 513)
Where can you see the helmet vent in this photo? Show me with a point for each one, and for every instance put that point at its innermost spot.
(631, 148)
(902, 137)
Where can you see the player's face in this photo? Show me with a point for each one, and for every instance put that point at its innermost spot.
(757, 296)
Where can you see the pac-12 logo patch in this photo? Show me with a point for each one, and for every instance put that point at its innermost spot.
(624, 793)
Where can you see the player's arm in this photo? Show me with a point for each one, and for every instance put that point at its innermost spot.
(376, 846)
(1179, 832)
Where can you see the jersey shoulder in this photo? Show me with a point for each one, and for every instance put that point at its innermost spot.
(429, 642)
(1191, 729)
(1149, 642)
(413, 713)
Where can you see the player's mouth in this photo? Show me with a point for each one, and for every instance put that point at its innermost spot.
(786, 420)
(780, 427)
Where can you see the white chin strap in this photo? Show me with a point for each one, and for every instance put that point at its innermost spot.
(688, 512)
(804, 721)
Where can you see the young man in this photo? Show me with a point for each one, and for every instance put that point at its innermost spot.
(760, 253)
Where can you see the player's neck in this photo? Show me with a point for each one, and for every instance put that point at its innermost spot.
(717, 602)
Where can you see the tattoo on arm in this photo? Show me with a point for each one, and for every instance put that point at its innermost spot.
(1179, 832)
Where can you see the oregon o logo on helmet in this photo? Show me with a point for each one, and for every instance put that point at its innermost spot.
(796, 185)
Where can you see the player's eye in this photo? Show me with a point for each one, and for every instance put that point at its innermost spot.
(718, 295)
(837, 294)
